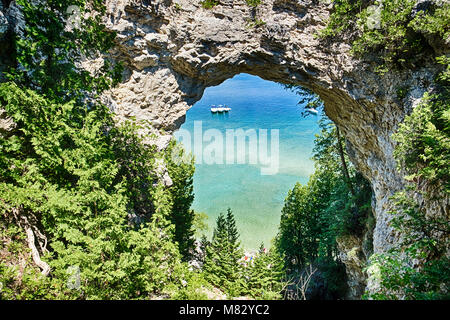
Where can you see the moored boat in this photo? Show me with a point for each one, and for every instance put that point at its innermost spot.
(220, 108)
(312, 111)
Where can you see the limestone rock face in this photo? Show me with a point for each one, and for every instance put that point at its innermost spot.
(174, 49)
(4, 25)
(352, 255)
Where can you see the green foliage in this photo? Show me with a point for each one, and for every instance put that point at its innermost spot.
(400, 34)
(193, 288)
(423, 149)
(315, 214)
(298, 226)
(340, 16)
(178, 6)
(48, 52)
(253, 3)
(308, 98)
(222, 255)
(225, 268)
(394, 29)
(200, 224)
(76, 176)
(182, 193)
(91, 186)
(399, 279)
(19, 279)
(208, 4)
(256, 23)
(417, 268)
(329, 206)
(265, 275)
(402, 92)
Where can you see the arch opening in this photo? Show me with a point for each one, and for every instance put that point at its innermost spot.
(249, 157)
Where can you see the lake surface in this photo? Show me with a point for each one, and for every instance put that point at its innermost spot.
(255, 198)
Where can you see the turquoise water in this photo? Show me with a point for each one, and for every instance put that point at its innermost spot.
(256, 199)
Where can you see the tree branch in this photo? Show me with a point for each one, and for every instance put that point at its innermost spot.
(35, 253)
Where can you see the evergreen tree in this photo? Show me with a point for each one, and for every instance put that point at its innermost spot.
(85, 185)
(233, 237)
(215, 266)
(72, 189)
(265, 275)
(182, 192)
(417, 268)
(50, 47)
(222, 266)
(203, 246)
(335, 202)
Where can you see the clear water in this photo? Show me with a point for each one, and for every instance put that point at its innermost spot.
(256, 199)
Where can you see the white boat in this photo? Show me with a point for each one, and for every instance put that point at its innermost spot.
(312, 111)
(220, 108)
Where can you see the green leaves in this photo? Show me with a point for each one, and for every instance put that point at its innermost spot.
(222, 255)
(417, 268)
(396, 30)
(315, 214)
(423, 139)
(262, 277)
(182, 193)
(335, 202)
(91, 185)
(265, 275)
(84, 178)
(208, 4)
(49, 52)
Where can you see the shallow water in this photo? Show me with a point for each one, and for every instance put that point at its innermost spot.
(256, 199)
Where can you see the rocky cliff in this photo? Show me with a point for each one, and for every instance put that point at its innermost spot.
(174, 49)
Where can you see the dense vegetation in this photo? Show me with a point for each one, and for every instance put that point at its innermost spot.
(391, 33)
(398, 34)
(83, 193)
(224, 266)
(334, 203)
(418, 268)
(84, 187)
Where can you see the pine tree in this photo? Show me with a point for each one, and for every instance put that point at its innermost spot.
(222, 266)
(215, 265)
(233, 238)
(182, 192)
(265, 274)
(203, 246)
(85, 183)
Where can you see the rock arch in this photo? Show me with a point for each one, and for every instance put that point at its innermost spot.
(174, 49)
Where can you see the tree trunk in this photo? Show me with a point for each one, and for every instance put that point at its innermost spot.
(35, 253)
(344, 163)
